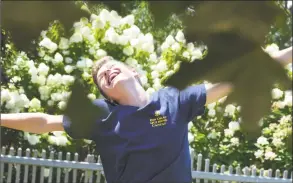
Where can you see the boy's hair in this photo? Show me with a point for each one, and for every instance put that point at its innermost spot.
(95, 69)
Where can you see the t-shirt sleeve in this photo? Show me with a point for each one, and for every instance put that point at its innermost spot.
(84, 129)
(192, 101)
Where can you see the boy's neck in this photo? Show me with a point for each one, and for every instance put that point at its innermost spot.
(135, 97)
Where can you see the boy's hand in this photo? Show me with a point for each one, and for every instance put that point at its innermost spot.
(80, 109)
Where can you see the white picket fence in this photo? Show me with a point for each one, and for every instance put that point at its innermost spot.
(15, 168)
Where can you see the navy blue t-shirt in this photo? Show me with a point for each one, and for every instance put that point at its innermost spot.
(147, 144)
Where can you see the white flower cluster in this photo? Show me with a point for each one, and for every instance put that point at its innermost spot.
(58, 138)
(52, 87)
(32, 139)
(230, 110)
(283, 99)
(14, 98)
(272, 142)
(14, 101)
(48, 44)
(190, 52)
(229, 132)
(211, 108)
(38, 74)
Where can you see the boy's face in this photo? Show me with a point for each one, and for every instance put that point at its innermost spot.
(115, 77)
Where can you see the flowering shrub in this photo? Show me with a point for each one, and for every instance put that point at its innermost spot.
(43, 86)
(217, 133)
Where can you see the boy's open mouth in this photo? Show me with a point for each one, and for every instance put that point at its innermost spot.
(112, 76)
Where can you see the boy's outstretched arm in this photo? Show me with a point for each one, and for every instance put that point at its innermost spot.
(32, 122)
(221, 90)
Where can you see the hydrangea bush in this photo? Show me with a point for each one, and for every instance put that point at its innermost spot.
(217, 133)
(42, 84)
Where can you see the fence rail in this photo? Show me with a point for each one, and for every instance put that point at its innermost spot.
(15, 168)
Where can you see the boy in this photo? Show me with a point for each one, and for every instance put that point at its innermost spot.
(139, 138)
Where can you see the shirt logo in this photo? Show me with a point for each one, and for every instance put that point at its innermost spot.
(158, 120)
(157, 113)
